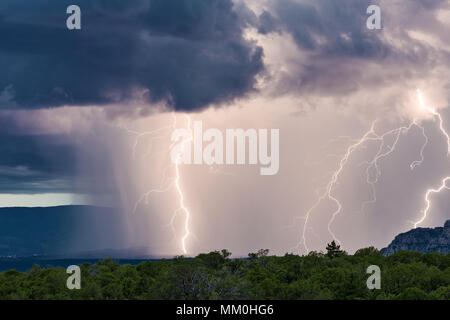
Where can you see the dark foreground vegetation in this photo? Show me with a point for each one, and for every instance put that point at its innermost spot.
(333, 275)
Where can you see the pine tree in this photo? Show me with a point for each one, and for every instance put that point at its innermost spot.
(334, 250)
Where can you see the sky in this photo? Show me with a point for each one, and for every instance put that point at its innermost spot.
(40, 200)
(86, 117)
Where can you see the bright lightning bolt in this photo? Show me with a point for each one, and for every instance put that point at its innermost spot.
(444, 181)
(328, 191)
(383, 151)
(428, 201)
(175, 182)
(181, 195)
(438, 115)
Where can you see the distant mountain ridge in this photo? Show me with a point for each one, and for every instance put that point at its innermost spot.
(424, 240)
(95, 232)
(120, 253)
(61, 230)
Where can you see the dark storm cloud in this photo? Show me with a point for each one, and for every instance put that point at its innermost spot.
(48, 151)
(190, 53)
(28, 164)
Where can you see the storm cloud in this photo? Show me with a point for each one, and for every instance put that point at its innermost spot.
(337, 55)
(310, 68)
(186, 53)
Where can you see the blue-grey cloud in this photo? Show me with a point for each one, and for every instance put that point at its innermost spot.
(31, 164)
(331, 28)
(189, 53)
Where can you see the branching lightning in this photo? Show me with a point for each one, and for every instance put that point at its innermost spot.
(444, 181)
(181, 195)
(373, 170)
(170, 181)
(373, 165)
(387, 143)
(334, 178)
(416, 163)
(167, 183)
(428, 201)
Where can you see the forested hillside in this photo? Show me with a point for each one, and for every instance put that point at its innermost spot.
(333, 275)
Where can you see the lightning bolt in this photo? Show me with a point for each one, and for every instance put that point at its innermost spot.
(383, 151)
(174, 182)
(182, 207)
(438, 115)
(444, 181)
(373, 166)
(428, 201)
(416, 163)
(369, 135)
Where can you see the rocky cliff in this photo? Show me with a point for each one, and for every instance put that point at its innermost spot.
(422, 239)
